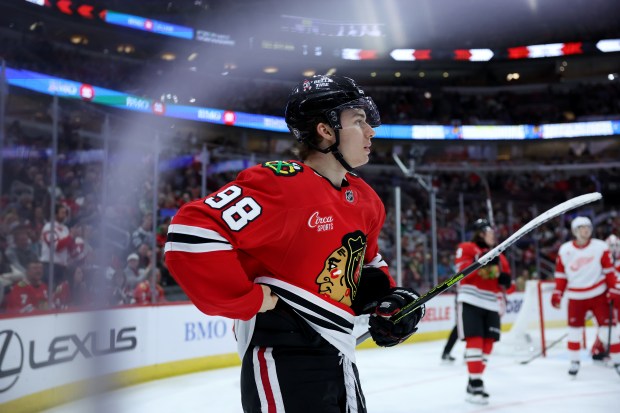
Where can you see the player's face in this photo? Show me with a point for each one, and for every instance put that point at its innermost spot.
(489, 237)
(583, 233)
(355, 137)
(332, 279)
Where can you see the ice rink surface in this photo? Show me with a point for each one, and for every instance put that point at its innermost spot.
(404, 379)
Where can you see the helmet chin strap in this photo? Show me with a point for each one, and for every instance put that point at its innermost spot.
(335, 151)
(337, 154)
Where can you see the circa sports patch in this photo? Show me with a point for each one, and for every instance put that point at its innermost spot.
(283, 168)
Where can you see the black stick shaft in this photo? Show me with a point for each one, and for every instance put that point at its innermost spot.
(424, 298)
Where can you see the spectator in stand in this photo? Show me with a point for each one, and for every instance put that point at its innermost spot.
(81, 248)
(9, 275)
(119, 291)
(57, 236)
(133, 273)
(584, 270)
(162, 233)
(24, 205)
(146, 256)
(143, 291)
(21, 251)
(29, 294)
(74, 291)
(144, 233)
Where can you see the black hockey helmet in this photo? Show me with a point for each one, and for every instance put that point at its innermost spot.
(322, 98)
(480, 225)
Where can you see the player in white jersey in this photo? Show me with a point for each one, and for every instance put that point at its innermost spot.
(584, 272)
(599, 351)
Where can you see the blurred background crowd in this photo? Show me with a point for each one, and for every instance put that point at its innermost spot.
(87, 193)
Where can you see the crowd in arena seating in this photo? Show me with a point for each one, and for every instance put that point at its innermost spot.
(109, 256)
(95, 254)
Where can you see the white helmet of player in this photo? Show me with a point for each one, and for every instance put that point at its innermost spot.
(614, 245)
(580, 222)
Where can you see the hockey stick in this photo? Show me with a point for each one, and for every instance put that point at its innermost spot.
(487, 190)
(486, 258)
(611, 317)
(489, 203)
(540, 353)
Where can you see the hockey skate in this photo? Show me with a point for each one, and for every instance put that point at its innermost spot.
(476, 393)
(447, 359)
(617, 367)
(574, 368)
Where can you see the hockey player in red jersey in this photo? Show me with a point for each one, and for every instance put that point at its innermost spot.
(289, 250)
(478, 308)
(599, 351)
(584, 272)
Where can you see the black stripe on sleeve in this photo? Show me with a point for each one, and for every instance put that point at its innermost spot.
(191, 239)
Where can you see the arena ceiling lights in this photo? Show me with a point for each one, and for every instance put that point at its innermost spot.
(520, 52)
(330, 28)
(545, 50)
(610, 45)
(472, 55)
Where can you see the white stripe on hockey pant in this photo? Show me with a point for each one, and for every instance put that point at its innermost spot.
(272, 380)
(603, 331)
(575, 336)
(196, 231)
(350, 384)
(459, 321)
(473, 354)
(206, 247)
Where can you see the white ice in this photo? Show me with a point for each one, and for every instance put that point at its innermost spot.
(403, 379)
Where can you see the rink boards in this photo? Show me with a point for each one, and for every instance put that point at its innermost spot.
(48, 359)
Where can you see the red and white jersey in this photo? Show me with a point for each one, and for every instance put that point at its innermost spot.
(61, 240)
(278, 220)
(617, 271)
(584, 271)
(480, 288)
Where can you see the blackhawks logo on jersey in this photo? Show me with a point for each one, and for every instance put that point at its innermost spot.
(283, 168)
(340, 276)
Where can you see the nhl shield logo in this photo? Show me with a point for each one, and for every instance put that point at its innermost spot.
(348, 195)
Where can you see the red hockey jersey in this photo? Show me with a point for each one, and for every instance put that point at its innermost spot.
(480, 288)
(281, 220)
(25, 298)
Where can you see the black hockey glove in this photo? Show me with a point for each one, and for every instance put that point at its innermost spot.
(384, 331)
(504, 280)
(373, 286)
